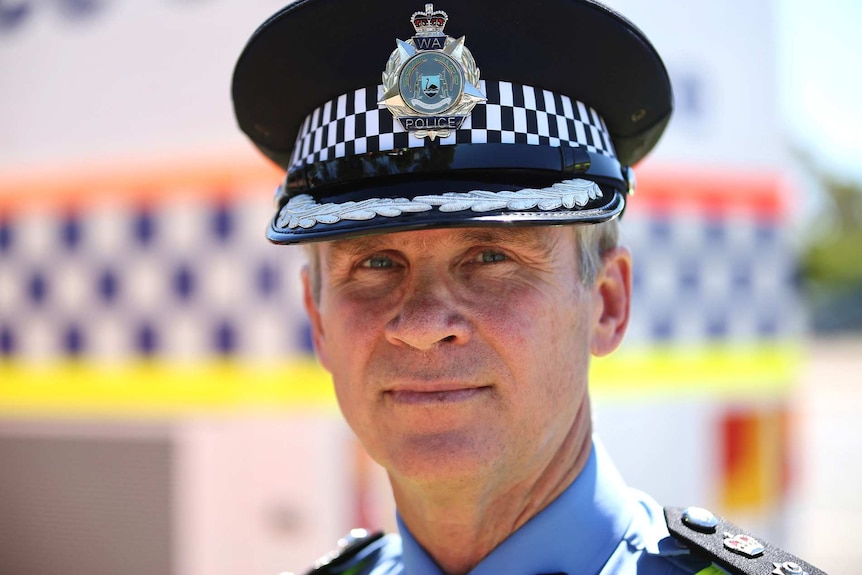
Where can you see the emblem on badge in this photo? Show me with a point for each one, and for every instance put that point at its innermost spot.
(431, 82)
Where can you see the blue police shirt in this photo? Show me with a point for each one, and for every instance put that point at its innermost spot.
(597, 526)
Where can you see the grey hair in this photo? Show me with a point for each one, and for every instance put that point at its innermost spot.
(592, 242)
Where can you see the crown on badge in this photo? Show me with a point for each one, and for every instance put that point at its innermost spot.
(430, 22)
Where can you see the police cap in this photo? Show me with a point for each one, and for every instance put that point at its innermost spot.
(479, 113)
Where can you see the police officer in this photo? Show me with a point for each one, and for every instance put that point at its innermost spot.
(457, 178)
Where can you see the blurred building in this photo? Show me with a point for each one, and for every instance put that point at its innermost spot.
(715, 274)
(159, 408)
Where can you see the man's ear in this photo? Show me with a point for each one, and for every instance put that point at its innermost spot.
(312, 308)
(612, 294)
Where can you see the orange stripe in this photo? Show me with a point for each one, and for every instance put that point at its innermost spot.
(671, 190)
(661, 189)
(135, 182)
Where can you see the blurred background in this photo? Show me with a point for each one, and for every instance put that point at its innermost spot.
(160, 409)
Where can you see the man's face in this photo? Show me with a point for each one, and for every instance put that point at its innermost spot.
(457, 354)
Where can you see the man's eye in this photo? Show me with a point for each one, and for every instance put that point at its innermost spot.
(489, 257)
(378, 262)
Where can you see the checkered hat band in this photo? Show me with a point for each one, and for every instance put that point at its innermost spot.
(353, 124)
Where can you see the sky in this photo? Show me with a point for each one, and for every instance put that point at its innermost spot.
(820, 75)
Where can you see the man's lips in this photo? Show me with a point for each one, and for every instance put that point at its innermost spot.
(429, 395)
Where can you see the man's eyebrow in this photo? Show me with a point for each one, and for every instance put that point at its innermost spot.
(523, 237)
(353, 246)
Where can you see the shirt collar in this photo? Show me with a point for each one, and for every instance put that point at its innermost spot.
(575, 534)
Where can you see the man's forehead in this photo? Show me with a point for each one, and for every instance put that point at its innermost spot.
(535, 237)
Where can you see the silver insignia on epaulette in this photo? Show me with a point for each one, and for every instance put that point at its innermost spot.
(744, 545)
(788, 568)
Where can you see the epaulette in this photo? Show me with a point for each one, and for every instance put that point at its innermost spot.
(345, 558)
(730, 547)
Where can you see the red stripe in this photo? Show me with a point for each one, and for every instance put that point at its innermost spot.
(666, 191)
(147, 182)
(662, 190)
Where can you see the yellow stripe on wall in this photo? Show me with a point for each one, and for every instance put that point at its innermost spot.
(159, 388)
(723, 371)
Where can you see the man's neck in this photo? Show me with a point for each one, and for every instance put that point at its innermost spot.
(460, 525)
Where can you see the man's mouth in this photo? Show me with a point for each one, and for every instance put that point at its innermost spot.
(432, 396)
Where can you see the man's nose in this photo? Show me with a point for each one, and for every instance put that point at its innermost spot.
(428, 316)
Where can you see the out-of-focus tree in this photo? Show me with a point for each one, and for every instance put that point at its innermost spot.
(832, 260)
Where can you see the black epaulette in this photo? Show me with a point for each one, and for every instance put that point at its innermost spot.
(730, 547)
(343, 558)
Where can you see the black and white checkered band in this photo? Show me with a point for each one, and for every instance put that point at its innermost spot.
(354, 124)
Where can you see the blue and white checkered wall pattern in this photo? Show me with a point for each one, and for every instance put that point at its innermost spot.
(192, 279)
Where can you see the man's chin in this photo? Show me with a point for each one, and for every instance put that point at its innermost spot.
(441, 458)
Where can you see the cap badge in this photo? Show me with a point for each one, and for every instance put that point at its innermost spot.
(431, 82)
